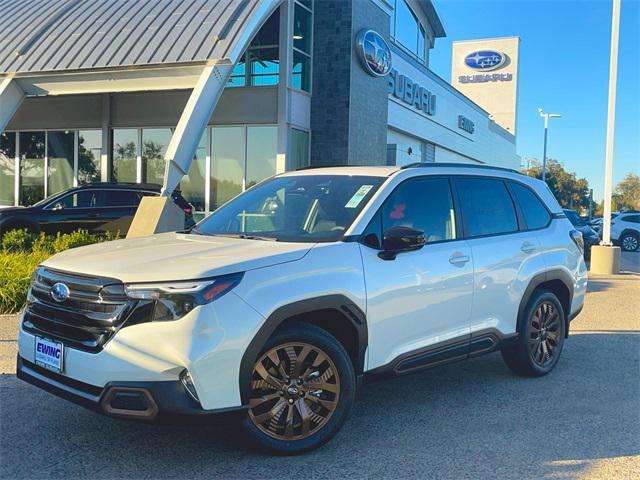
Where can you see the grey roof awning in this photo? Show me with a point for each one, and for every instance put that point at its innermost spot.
(76, 35)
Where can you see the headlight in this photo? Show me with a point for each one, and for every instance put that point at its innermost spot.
(173, 300)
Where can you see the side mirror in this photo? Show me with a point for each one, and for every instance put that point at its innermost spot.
(401, 239)
(58, 206)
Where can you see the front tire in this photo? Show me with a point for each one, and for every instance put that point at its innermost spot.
(630, 242)
(302, 389)
(541, 336)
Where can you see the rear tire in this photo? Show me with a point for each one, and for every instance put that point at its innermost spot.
(541, 336)
(303, 387)
(630, 242)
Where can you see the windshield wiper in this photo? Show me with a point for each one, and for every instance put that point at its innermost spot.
(245, 236)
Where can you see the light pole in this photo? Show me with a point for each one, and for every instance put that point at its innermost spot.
(546, 117)
(605, 258)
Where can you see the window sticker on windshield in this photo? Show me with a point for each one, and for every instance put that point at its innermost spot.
(358, 196)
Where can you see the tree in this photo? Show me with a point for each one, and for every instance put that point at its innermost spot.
(627, 193)
(571, 192)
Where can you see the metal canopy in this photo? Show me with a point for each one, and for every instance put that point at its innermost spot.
(76, 35)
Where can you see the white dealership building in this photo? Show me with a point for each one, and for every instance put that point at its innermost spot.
(214, 96)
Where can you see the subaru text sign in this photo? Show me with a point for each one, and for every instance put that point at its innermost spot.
(485, 60)
(412, 93)
(374, 53)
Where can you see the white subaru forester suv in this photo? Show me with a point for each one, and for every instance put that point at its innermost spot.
(282, 302)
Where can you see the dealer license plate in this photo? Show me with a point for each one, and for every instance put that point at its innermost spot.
(49, 354)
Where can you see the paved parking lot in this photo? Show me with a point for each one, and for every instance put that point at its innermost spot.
(468, 420)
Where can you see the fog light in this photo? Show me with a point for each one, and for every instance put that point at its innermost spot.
(187, 381)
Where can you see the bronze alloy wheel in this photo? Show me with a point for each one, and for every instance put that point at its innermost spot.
(544, 333)
(295, 389)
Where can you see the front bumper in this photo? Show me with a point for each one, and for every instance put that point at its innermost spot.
(134, 400)
(209, 342)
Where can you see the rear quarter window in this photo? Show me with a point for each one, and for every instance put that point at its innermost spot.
(533, 210)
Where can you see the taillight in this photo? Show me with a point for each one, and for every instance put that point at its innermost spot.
(576, 236)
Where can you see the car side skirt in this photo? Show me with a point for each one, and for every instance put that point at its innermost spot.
(442, 353)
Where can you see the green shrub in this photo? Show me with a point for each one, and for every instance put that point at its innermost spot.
(79, 238)
(18, 241)
(16, 269)
(22, 252)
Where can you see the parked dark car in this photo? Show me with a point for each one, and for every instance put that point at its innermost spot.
(96, 207)
(589, 235)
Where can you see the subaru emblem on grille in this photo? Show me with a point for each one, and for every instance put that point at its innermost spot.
(59, 292)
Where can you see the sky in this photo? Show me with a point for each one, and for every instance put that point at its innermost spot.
(564, 68)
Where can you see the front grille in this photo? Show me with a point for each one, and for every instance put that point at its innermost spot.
(95, 309)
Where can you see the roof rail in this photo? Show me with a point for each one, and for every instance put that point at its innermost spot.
(313, 167)
(458, 165)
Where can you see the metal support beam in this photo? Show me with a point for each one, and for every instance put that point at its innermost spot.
(193, 121)
(105, 171)
(204, 98)
(11, 96)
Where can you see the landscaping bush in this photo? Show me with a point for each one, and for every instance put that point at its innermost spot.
(18, 241)
(22, 252)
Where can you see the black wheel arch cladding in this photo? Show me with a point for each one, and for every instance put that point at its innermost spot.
(340, 306)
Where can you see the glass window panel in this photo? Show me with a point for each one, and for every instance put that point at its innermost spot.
(120, 198)
(535, 213)
(32, 149)
(302, 29)
(265, 66)
(89, 153)
(424, 205)
(301, 74)
(261, 153)
(7, 168)
(487, 207)
(83, 199)
(307, 3)
(299, 149)
(237, 78)
(125, 151)
(192, 185)
(270, 32)
(154, 145)
(60, 153)
(227, 164)
(406, 26)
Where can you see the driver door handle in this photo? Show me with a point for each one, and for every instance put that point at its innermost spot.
(458, 259)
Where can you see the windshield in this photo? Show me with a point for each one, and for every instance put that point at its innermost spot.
(305, 208)
(575, 218)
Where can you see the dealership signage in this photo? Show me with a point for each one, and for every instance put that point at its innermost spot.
(485, 60)
(486, 77)
(410, 92)
(374, 53)
(465, 124)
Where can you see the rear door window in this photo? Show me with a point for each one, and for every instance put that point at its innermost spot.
(120, 198)
(487, 207)
(535, 213)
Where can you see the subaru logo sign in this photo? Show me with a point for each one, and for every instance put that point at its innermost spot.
(59, 292)
(374, 53)
(485, 60)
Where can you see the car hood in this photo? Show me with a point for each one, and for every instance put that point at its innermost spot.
(6, 211)
(174, 256)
